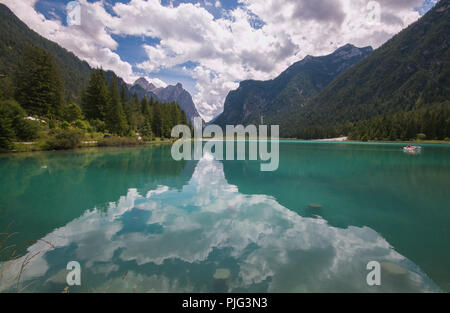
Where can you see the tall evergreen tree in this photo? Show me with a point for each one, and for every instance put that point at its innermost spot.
(39, 89)
(6, 88)
(133, 113)
(176, 114)
(116, 120)
(6, 128)
(183, 118)
(145, 128)
(157, 120)
(145, 107)
(96, 97)
(123, 94)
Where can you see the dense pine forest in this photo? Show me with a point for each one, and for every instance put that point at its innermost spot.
(431, 123)
(33, 108)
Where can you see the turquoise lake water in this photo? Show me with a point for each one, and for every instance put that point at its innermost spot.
(138, 221)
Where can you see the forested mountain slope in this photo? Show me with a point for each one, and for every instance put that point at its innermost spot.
(409, 72)
(15, 36)
(290, 90)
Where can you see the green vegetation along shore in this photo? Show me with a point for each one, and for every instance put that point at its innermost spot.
(34, 115)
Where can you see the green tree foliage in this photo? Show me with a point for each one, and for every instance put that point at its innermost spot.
(431, 123)
(146, 128)
(171, 117)
(72, 112)
(83, 125)
(64, 139)
(428, 123)
(39, 89)
(116, 120)
(6, 128)
(27, 130)
(145, 107)
(99, 126)
(15, 36)
(6, 88)
(132, 112)
(13, 125)
(183, 119)
(96, 97)
(123, 94)
(157, 125)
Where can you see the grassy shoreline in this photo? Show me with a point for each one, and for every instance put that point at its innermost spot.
(126, 142)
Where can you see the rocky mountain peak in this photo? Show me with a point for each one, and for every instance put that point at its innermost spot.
(145, 84)
(172, 93)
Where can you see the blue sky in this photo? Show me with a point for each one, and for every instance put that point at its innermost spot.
(208, 45)
(130, 47)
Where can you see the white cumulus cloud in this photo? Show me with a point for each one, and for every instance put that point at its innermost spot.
(256, 40)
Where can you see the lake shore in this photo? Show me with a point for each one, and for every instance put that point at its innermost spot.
(333, 139)
(24, 147)
(340, 139)
(21, 147)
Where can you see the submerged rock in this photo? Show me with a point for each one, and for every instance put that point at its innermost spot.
(222, 273)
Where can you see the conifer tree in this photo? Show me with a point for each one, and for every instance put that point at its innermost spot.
(6, 129)
(123, 94)
(96, 97)
(157, 120)
(183, 118)
(116, 120)
(39, 89)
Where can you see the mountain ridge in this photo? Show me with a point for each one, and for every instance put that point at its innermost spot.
(292, 88)
(409, 72)
(171, 93)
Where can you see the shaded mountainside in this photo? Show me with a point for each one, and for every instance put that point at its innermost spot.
(409, 72)
(290, 90)
(15, 35)
(168, 94)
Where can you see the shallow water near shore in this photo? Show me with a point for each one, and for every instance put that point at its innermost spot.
(138, 221)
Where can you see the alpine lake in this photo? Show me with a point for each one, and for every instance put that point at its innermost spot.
(136, 220)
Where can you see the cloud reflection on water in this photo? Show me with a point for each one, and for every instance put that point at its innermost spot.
(170, 240)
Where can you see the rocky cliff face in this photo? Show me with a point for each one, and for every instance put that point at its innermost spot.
(168, 94)
(181, 97)
(142, 82)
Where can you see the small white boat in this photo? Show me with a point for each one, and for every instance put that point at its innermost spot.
(412, 149)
